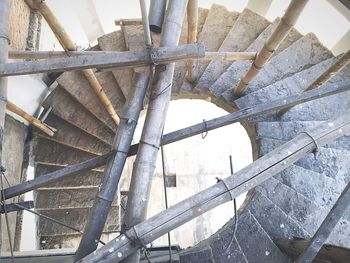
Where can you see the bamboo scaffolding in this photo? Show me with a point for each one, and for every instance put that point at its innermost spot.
(109, 55)
(180, 135)
(341, 63)
(224, 191)
(35, 122)
(69, 45)
(152, 130)
(284, 26)
(124, 59)
(192, 20)
(327, 226)
(105, 196)
(156, 15)
(128, 22)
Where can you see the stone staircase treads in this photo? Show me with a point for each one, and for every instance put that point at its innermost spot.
(76, 218)
(78, 86)
(285, 87)
(51, 152)
(245, 30)
(255, 243)
(64, 198)
(69, 134)
(280, 226)
(340, 234)
(67, 108)
(83, 179)
(293, 204)
(302, 54)
(115, 42)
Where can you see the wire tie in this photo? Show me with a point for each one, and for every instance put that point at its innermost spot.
(206, 129)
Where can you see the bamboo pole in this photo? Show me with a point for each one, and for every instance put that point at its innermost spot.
(224, 191)
(128, 22)
(124, 59)
(284, 26)
(192, 20)
(37, 123)
(108, 188)
(180, 135)
(152, 130)
(69, 45)
(156, 15)
(325, 76)
(108, 55)
(327, 226)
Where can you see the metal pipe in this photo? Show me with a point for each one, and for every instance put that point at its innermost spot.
(113, 171)
(145, 23)
(156, 15)
(192, 21)
(180, 135)
(152, 130)
(231, 187)
(327, 226)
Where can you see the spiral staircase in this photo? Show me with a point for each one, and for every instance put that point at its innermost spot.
(291, 204)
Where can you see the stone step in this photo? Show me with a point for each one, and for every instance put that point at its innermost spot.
(285, 87)
(327, 161)
(69, 109)
(76, 218)
(47, 151)
(301, 209)
(236, 71)
(205, 255)
(78, 86)
(220, 21)
(324, 108)
(65, 241)
(69, 134)
(115, 42)
(289, 129)
(255, 243)
(302, 54)
(245, 30)
(276, 223)
(66, 198)
(341, 233)
(82, 179)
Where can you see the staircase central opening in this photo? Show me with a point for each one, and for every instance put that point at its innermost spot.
(194, 164)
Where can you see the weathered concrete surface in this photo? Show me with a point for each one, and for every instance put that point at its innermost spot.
(13, 149)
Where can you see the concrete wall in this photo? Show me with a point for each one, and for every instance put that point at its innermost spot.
(13, 148)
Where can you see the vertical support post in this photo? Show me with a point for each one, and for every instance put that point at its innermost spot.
(156, 15)
(4, 43)
(121, 146)
(145, 23)
(327, 226)
(192, 20)
(144, 165)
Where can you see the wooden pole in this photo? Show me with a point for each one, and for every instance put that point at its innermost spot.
(224, 191)
(105, 196)
(152, 130)
(284, 26)
(124, 59)
(41, 126)
(327, 226)
(325, 76)
(180, 135)
(69, 45)
(192, 20)
(128, 22)
(228, 56)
